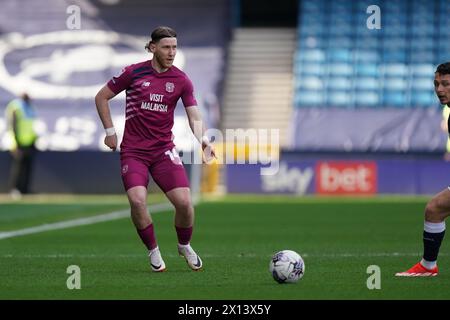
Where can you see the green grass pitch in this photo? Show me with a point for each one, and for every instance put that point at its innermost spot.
(236, 236)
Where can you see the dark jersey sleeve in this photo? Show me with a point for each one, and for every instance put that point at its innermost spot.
(121, 82)
(187, 96)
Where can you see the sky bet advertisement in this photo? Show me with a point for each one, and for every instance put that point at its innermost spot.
(349, 177)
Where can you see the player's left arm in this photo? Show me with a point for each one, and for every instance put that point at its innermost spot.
(198, 129)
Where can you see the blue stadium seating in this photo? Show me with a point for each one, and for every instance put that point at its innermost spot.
(310, 98)
(367, 83)
(423, 98)
(311, 69)
(422, 69)
(367, 98)
(395, 98)
(420, 56)
(423, 83)
(340, 62)
(339, 98)
(339, 83)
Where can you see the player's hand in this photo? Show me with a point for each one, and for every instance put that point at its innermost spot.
(209, 152)
(111, 142)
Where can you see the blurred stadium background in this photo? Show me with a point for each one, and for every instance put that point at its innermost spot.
(355, 106)
(347, 100)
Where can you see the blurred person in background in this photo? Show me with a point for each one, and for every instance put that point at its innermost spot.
(438, 208)
(153, 88)
(20, 118)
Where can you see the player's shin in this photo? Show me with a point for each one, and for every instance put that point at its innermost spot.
(147, 236)
(184, 235)
(433, 235)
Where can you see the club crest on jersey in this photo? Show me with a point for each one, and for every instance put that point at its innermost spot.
(170, 87)
(125, 169)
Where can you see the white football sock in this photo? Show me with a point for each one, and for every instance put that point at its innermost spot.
(428, 264)
(434, 227)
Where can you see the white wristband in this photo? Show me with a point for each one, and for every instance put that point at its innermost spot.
(205, 140)
(110, 131)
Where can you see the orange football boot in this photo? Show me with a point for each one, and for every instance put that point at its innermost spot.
(418, 270)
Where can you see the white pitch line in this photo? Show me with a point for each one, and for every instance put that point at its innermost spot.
(81, 222)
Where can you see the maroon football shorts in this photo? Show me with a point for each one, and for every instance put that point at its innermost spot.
(165, 167)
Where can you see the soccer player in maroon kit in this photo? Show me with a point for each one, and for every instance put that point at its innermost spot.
(153, 88)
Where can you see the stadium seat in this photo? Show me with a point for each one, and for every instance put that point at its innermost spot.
(422, 69)
(312, 30)
(423, 30)
(339, 98)
(394, 18)
(425, 83)
(394, 56)
(419, 57)
(367, 44)
(340, 69)
(367, 56)
(395, 70)
(367, 98)
(367, 69)
(340, 29)
(443, 56)
(395, 30)
(312, 6)
(394, 43)
(309, 97)
(311, 42)
(309, 83)
(423, 98)
(339, 42)
(339, 55)
(339, 83)
(395, 84)
(310, 69)
(311, 55)
(395, 98)
(443, 45)
(367, 83)
(422, 43)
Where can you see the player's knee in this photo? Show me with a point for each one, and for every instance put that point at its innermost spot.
(138, 202)
(183, 204)
(432, 212)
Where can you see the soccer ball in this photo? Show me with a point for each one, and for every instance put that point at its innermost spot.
(287, 266)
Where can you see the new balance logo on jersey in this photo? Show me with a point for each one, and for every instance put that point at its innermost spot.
(145, 84)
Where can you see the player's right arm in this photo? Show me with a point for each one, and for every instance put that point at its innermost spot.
(109, 91)
(101, 101)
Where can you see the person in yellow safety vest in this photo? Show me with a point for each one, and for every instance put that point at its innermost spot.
(20, 117)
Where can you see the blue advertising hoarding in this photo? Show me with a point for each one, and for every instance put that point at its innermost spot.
(341, 177)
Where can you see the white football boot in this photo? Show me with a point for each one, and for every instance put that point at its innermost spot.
(192, 259)
(156, 261)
